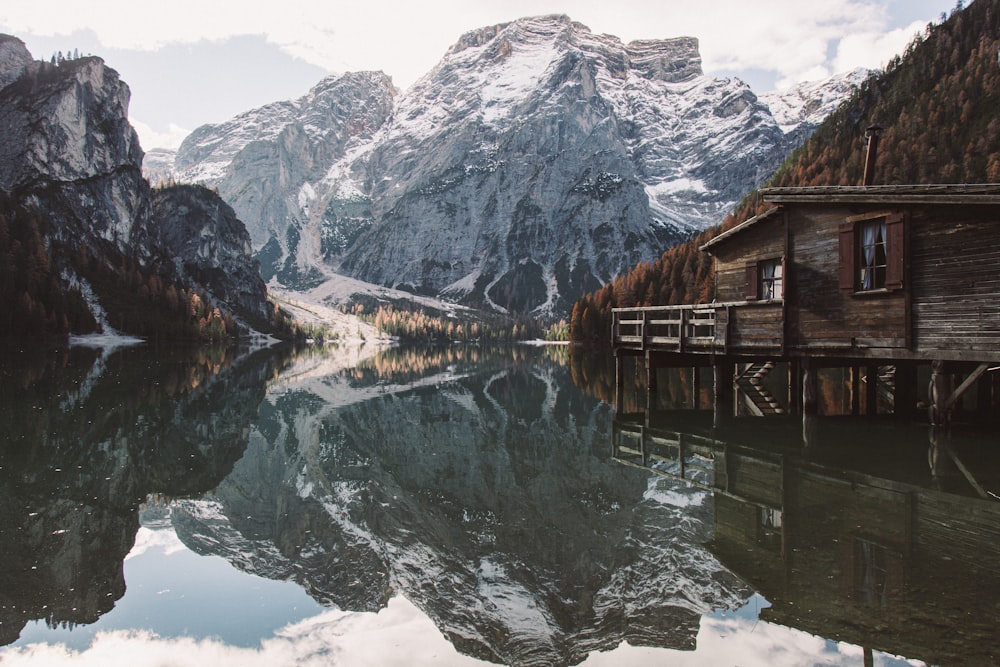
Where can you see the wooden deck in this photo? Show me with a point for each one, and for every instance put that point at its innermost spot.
(749, 327)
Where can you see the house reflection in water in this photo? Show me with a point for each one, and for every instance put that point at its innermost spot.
(879, 538)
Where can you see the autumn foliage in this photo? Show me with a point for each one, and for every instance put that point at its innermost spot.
(939, 105)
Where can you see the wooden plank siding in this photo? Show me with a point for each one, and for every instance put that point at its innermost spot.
(955, 269)
(756, 326)
(764, 241)
(820, 313)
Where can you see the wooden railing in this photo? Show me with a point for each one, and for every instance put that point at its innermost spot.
(680, 328)
(682, 456)
(703, 328)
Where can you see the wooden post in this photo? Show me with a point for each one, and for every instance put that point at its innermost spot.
(650, 372)
(810, 387)
(855, 390)
(937, 393)
(794, 395)
(722, 390)
(619, 383)
(905, 399)
(871, 390)
(680, 329)
(695, 387)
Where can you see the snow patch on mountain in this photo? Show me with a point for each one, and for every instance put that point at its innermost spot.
(534, 162)
(810, 102)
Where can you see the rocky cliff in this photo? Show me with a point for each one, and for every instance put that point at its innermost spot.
(70, 165)
(268, 163)
(69, 150)
(536, 161)
(209, 246)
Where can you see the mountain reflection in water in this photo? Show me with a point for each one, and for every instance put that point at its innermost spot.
(482, 489)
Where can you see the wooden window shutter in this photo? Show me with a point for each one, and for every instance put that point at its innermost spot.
(847, 256)
(895, 250)
(753, 282)
(784, 277)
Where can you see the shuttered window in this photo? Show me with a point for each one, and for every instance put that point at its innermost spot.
(872, 254)
(895, 244)
(771, 278)
(765, 279)
(753, 282)
(846, 254)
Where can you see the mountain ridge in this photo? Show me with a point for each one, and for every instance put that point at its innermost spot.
(87, 249)
(534, 162)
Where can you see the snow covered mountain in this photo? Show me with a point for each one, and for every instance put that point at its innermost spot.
(800, 109)
(484, 495)
(534, 163)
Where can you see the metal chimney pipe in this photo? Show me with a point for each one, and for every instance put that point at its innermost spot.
(872, 134)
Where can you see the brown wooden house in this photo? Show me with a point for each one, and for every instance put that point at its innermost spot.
(864, 277)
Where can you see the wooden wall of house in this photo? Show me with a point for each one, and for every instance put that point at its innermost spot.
(819, 312)
(756, 326)
(948, 306)
(955, 276)
(765, 240)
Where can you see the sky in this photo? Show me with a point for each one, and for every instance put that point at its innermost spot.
(191, 62)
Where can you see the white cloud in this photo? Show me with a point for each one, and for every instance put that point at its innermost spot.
(147, 539)
(151, 138)
(874, 49)
(399, 635)
(792, 38)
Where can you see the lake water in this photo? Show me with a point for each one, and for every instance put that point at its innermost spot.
(469, 506)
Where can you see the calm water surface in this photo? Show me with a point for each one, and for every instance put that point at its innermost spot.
(468, 506)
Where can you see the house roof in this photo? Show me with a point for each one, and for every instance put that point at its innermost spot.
(984, 193)
(964, 194)
(738, 229)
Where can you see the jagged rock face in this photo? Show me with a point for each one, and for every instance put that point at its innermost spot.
(68, 148)
(534, 163)
(268, 162)
(158, 165)
(14, 57)
(69, 154)
(210, 246)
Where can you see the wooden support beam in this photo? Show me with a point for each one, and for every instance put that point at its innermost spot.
(938, 391)
(722, 390)
(810, 387)
(794, 395)
(962, 388)
(695, 388)
(855, 390)
(871, 390)
(619, 384)
(651, 385)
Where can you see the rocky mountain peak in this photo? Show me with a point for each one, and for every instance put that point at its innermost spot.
(534, 162)
(672, 60)
(68, 100)
(521, 30)
(69, 156)
(14, 57)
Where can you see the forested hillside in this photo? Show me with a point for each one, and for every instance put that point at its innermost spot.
(939, 104)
